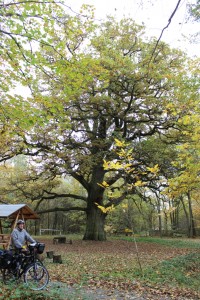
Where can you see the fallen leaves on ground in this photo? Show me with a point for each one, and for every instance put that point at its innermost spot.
(112, 264)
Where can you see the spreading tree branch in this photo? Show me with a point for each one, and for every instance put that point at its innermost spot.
(77, 208)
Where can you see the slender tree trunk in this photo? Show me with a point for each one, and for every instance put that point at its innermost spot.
(173, 216)
(151, 224)
(166, 224)
(55, 222)
(177, 215)
(159, 215)
(192, 231)
(158, 206)
(189, 217)
(160, 225)
(186, 215)
(48, 216)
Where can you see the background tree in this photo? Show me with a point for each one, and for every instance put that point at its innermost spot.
(186, 182)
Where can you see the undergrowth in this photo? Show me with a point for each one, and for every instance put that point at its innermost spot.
(13, 291)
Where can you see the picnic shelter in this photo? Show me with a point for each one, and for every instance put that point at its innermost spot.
(12, 213)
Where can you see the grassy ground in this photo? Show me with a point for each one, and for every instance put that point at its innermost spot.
(159, 267)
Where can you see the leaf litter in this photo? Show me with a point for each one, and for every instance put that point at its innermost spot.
(106, 270)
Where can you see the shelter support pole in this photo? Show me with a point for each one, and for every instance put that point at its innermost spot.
(13, 226)
(1, 230)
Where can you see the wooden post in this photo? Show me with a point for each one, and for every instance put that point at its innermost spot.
(50, 254)
(57, 259)
(1, 231)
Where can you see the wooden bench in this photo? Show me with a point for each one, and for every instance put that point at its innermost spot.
(175, 234)
(122, 232)
(59, 240)
(128, 233)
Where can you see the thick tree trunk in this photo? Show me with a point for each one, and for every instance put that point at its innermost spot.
(95, 225)
(95, 217)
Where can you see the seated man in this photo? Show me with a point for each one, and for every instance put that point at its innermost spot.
(20, 236)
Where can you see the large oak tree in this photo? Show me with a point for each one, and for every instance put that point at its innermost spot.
(88, 84)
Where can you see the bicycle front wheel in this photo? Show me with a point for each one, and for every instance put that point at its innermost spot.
(36, 277)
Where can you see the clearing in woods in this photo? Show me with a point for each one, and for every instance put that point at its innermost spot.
(170, 269)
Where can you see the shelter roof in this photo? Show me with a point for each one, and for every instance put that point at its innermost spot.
(11, 211)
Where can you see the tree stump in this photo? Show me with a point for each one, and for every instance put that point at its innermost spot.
(57, 259)
(55, 241)
(50, 254)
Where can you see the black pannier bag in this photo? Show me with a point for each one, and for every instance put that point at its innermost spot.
(40, 248)
(1, 258)
(6, 259)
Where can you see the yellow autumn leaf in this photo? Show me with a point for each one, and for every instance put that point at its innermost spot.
(131, 170)
(102, 208)
(110, 208)
(121, 153)
(127, 230)
(105, 210)
(106, 164)
(116, 165)
(118, 143)
(139, 183)
(126, 166)
(104, 184)
(155, 169)
(170, 106)
(124, 205)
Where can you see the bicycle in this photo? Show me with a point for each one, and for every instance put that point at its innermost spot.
(25, 265)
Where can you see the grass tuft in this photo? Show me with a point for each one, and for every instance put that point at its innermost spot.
(174, 243)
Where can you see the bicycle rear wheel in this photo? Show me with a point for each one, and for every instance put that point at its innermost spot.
(36, 277)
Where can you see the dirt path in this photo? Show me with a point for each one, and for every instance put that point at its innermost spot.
(84, 293)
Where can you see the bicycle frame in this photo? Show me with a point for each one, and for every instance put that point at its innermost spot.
(24, 260)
